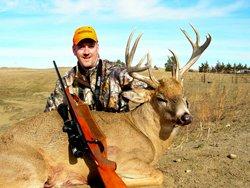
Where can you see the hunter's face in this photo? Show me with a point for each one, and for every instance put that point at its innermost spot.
(87, 52)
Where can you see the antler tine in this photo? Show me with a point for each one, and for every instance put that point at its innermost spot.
(138, 68)
(176, 68)
(188, 37)
(151, 81)
(141, 61)
(149, 62)
(132, 53)
(197, 50)
(129, 55)
(196, 35)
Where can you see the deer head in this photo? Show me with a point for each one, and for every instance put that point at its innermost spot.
(166, 95)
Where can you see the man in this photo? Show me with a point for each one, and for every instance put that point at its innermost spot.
(99, 83)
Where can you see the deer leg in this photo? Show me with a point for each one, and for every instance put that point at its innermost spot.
(138, 173)
(60, 176)
(17, 171)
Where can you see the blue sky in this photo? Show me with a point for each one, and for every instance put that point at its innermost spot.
(34, 33)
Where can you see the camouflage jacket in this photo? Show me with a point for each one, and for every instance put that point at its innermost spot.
(106, 94)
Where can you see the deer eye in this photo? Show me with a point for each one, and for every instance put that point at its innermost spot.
(161, 98)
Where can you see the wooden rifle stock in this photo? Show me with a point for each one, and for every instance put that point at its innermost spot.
(106, 168)
(81, 114)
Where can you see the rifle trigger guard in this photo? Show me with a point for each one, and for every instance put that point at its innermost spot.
(98, 142)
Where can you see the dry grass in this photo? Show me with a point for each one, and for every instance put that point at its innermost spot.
(219, 100)
(24, 93)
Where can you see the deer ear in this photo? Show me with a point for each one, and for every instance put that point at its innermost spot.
(138, 95)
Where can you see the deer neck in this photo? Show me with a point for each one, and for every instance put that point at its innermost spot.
(146, 119)
(148, 122)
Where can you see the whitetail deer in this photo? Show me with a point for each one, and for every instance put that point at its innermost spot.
(34, 152)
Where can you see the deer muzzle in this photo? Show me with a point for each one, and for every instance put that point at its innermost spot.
(185, 119)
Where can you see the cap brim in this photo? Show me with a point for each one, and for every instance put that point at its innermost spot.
(82, 37)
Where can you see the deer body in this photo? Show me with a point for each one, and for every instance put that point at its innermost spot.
(37, 148)
(34, 153)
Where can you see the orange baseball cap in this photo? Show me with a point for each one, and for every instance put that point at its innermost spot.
(85, 32)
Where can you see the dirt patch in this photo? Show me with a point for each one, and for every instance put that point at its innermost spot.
(205, 161)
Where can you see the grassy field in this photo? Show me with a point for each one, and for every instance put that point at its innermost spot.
(199, 156)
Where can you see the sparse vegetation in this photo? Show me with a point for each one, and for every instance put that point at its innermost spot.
(120, 63)
(169, 64)
(220, 67)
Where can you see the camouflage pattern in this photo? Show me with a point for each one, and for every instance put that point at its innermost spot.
(115, 80)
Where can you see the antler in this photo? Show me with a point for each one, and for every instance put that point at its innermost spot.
(129, 55)
(197, 51)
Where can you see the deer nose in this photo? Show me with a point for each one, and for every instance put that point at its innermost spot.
(185, 119)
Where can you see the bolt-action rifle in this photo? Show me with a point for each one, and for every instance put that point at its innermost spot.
(85, 136)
